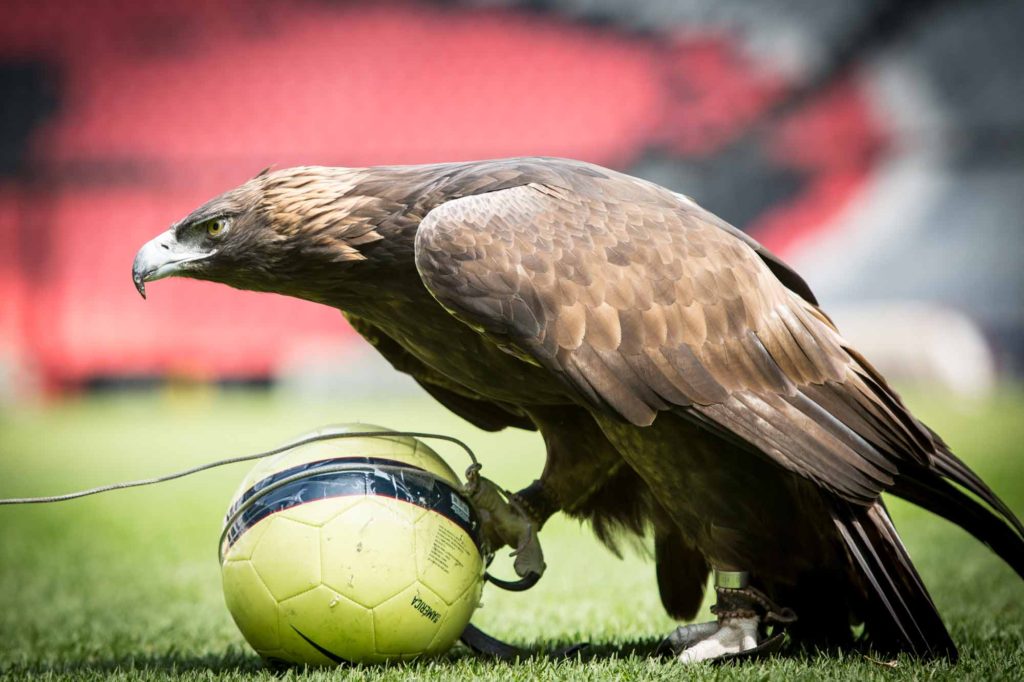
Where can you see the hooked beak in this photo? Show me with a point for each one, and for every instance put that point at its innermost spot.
(162, 257)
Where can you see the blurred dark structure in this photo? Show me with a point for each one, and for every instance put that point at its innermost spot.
(876, 144)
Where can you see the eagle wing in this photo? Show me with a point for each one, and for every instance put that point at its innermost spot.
(647, 306)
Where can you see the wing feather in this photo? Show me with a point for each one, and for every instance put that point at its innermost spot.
(646, 305)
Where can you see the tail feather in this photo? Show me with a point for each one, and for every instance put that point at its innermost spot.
(898, 611)
(940, 488)
(949, 465)
(938, 496)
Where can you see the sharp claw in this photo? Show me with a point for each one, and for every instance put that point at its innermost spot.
(733, 635)
(717, 640)
(505, 524)
(686, 636)
(529, 556)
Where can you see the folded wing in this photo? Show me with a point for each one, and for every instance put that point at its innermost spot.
(646, 306)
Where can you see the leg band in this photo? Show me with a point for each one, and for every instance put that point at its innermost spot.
(750, 602)
(736, 580)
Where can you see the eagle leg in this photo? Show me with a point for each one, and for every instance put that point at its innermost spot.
(506, 522)
(744, 615)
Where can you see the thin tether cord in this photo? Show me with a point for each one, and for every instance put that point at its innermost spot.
(234, 460)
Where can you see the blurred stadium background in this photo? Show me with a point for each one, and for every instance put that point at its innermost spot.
(877, 145)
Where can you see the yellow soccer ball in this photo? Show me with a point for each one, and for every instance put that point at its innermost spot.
(357, 550)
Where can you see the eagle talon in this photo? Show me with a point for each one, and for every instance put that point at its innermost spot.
(743, 613)
(506, 523)
(730, 636)
(685, 636)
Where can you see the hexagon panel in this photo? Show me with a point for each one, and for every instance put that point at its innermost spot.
(459, 614)
(287, 557)
(407, 623)
(251, 605)
(323, 625)
(367, 551)
(447, 561)
(319, 512)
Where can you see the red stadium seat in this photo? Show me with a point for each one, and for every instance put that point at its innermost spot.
(163, 105)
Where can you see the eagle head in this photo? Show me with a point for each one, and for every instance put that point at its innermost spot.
(281, 231)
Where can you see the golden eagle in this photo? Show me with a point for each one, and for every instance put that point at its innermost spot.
(683, 378)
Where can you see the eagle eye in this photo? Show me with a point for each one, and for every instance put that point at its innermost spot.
(216, 226)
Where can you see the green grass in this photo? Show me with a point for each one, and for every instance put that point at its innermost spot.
(127, 586)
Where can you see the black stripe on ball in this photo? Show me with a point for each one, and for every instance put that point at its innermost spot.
(362, 476)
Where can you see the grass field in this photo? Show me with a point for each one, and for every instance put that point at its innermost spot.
(127, 585)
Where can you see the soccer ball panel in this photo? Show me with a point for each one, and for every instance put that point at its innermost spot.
(323, 626)
(454, 622)
(319, 512)
(251, 604)
(447, 561)
(365, 550)
(287, 557)
(408, 622)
